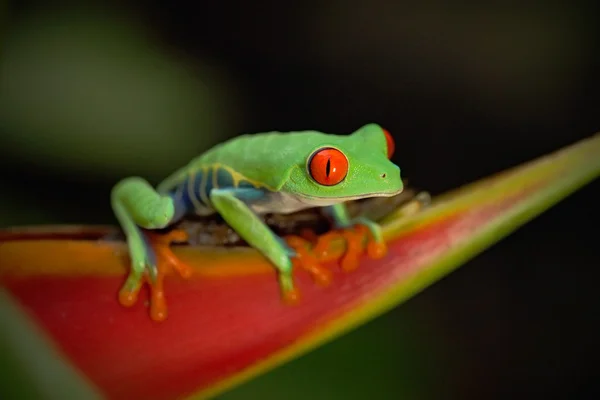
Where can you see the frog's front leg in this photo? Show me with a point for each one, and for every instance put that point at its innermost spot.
(233, 206)
(138, 206)
(355, 232)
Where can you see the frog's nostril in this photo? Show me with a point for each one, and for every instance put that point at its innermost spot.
(383, 175)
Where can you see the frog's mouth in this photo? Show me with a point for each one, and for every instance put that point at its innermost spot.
(318, 201)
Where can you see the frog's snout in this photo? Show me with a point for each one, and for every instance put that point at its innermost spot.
(391, 178)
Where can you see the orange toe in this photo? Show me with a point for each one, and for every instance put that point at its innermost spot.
(376, 250)
(128, 298)
(308, 260)
(171, 259)
(349, 262)
(355, 238)
(184, 270)
(177, 236)
(291, 297)
(166, 259)
(354, 248)
(158, 305)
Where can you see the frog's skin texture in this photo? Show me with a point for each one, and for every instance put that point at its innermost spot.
(251, 175)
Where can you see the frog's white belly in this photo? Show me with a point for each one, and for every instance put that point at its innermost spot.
(285, 203)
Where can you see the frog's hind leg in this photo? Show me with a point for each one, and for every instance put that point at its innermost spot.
(140, 210)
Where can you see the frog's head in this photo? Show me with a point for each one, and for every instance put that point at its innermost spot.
(339, 168)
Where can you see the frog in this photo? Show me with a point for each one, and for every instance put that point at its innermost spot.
(246, 177)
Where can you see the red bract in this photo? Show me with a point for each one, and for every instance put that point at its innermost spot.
(227, 323)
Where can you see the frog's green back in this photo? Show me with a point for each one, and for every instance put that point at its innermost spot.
(267, 158)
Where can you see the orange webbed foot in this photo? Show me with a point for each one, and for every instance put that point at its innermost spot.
(161, 244)
(165, 260)
(312, 249)
(307, 260)
(358, 238)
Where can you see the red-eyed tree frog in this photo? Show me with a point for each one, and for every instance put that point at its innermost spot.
(251, 175)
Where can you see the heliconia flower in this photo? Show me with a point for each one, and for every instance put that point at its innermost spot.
(227, 324)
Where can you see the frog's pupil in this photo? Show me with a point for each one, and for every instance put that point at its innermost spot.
(328, 167)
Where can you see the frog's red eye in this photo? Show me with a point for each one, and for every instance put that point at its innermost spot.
(391, 146)
(328, 166)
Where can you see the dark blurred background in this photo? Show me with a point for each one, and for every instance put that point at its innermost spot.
(90, 94)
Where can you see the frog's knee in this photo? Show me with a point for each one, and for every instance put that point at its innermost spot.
(158, 215)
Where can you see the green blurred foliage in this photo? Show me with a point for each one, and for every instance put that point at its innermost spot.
(30, 366)
(89, 92)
